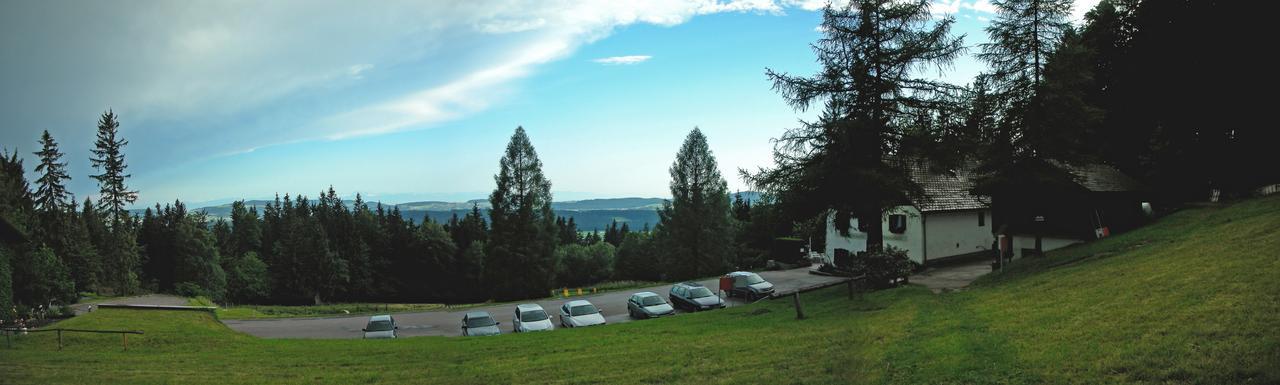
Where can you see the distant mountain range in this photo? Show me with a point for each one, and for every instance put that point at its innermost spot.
(589, 214)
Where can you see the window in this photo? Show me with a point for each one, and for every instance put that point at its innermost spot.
(982, 218)
(897, 223)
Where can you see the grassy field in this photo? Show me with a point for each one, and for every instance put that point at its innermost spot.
(1193, 298)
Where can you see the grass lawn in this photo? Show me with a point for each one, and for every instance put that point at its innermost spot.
(1193, 298)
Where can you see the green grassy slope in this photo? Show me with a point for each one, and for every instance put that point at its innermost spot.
(1193, 298)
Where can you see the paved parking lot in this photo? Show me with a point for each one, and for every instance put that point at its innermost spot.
(447, 323)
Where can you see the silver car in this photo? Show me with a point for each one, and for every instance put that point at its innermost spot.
(530, 317)
(580, 313)
(479, 323)
(647, 304)
(380, 326)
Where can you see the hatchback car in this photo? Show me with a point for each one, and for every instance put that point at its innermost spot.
(580, 313)
(693, 296)
(479, 323)
(380, 326)
(648, 304)
(747, 285)
(530, 317)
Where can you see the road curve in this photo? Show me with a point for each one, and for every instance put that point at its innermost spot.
(447, 323)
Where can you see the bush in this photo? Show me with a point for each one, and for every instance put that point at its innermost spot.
(637, 259)
(584, 265)
(247, 279)
(189, 289)
(883, 269)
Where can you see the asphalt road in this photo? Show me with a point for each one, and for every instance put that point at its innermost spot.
(447, 323)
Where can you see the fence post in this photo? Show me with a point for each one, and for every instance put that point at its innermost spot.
(850, 289)
(59, 338)
(7, 341)
(126, 341)
(799, 310)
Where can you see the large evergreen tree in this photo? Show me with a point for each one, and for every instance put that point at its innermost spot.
(872, 96)
(1022, 37)
(108, 156)
(693, 227)
(521, 263)
(51, 197)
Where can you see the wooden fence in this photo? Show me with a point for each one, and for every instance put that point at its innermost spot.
(124, 334)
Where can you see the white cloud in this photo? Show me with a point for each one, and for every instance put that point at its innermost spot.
(983, 6)
(630, 59)
(357, 71)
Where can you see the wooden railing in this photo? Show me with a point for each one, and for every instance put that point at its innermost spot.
(124, 334)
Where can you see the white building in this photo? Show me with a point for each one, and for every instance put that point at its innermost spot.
(948, 222)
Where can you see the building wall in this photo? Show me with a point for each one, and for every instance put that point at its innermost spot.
(1020, 242)
(911, 240)
(953, 233)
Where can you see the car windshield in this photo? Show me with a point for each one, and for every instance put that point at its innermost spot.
(652, 301)
(699, 292)
(753, 279)
(378, 326)
(479, 322)
(583, 310)
(533, 316)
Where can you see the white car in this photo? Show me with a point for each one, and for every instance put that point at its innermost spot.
(580, 313)
(530, 317)
(380, 326)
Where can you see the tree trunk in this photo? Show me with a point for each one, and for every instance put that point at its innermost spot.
(317, 300)
(875, 232)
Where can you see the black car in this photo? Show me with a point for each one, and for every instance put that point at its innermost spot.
(693, 296)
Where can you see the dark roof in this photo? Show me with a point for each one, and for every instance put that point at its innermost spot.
(945, 190)
(1099, 177)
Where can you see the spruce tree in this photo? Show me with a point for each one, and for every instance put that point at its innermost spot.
(1022, 37)
(871, 93)
(693, 227)
(520, 255)
(108, 156)
(51, 197)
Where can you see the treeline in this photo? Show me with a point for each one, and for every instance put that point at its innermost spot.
(296, 249)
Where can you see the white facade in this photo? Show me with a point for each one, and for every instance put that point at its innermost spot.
(928, 236)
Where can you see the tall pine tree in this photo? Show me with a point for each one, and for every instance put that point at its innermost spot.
(693, 227)
(872, 95)
(521, 261)
(108, 156)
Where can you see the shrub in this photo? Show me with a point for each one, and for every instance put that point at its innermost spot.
(884, 268)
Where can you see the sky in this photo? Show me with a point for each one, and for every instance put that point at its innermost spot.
(409, 100)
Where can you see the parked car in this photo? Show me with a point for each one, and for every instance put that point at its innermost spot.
(647, 304)
(580, 313)
(746, 284)
(380, 326)
(530, 317)
(693, 296)
(479, 323)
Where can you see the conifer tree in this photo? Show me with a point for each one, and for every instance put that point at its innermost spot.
(51, 197)
(693, 227)
(872, 93)
(520, 254)
(108, 156)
